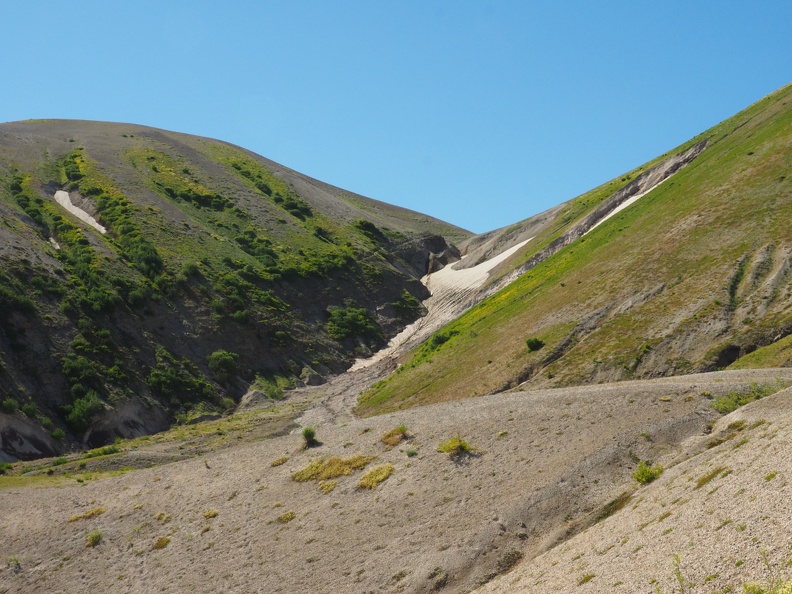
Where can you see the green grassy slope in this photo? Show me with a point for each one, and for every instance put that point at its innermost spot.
(219, 268)
(692, 277)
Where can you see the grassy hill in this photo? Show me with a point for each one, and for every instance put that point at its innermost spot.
(694, 276)
(218, 269)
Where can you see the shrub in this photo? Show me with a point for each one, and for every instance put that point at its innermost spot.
(5, 467)
(30, 409)
(279, 461)
(350, 322)
(456, 446)
(223, 365)
(309, 435)
(161, 543)
(534, 344)
(375, 476)
(94, 538)
(9, 405)
(82, 410)
(646, 473)
(58, 434)
(735, 399)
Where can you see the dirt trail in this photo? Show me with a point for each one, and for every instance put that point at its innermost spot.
(453, 291)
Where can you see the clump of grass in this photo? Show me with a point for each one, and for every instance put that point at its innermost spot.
(737, 398)
(375, 476)
(327, 486)
(615, 505)
(709, 476)
(646, 472)
(309, 435)
(279, 461)
(287, 517)
(330, 468)
(94, 538)
(161, 543)
(91, 513)
(212, 513)
(105, 451)
(162, 517)
(586, 578)
(395, 436)
(456, 446)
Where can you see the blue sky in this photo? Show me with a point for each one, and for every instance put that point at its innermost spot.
(479, 113)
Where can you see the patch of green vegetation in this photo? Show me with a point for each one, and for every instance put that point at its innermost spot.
(705, 479)
(615, 505)
(612, 333)
(375, 476)
(177, 381)
(646, 472)
(395, 436)
(330, 468)
(352, 322)
(93, 539)
(738, 398)
(456, 447)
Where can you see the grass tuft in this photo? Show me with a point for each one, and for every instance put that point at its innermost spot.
(94, 538)
(456, 446)
(330, 468)
(375, 476)
(395, 436)
(92, 513)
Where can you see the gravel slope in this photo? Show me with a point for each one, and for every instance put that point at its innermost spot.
(547, 463)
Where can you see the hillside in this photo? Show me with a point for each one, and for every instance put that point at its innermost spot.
(563, 441)
(148, 277)
(692, 276)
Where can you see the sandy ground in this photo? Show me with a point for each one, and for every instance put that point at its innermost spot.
(723, 519)
(64, 200)
(546, 463)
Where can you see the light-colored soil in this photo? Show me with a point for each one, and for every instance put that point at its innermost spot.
(546, 463)
(722, 519)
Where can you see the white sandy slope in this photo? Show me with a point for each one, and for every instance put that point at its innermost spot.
(64, 200)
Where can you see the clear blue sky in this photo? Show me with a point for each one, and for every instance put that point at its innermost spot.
(479, 113)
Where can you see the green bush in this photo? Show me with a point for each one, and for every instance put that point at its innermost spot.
(30, 409)
(735, 399)
(646, 473)
(177, 380)
(350, 322)
(80, 412)
(456, 446)
(534, 344)
(9, 405)
(309, 435)
(223, 365)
